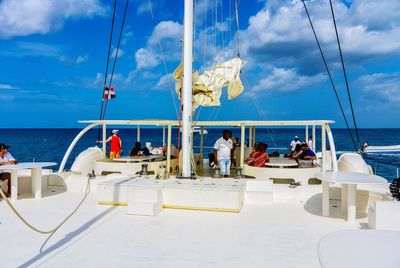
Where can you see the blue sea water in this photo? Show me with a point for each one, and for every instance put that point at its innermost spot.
(28, 145)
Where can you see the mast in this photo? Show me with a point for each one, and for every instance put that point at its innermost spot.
(187, 89)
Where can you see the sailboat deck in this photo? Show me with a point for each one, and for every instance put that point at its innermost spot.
(280, 235)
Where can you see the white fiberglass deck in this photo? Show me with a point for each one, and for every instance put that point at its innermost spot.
(279, 235)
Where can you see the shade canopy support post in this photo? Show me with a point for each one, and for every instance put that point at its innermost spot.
(242, 144)
(250, 137)
(323, 147)
(169, 146)
(163, 136)
(306, 138)
(104, 145)
(314, 138)
(201, 146)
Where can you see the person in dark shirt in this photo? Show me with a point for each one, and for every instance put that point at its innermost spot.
(135, 150)
(307, 153)
(147, 149)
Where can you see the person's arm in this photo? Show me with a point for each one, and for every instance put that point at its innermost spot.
(250, 159)
(233, 151)
(120, 144)
(8, 162)
(311, 157)
(267, 158)
(10, 159)
(215, 156)
(216, 144)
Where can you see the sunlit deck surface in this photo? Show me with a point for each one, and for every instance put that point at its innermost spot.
(284, 234)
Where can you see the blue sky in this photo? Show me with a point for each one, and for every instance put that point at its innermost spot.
(53, 56)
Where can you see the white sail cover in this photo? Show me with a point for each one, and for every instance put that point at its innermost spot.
(207, 88)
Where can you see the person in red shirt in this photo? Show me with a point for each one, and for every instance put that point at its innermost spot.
(259, 157)
(115, 144)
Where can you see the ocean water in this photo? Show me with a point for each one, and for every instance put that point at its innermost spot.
(50, 145)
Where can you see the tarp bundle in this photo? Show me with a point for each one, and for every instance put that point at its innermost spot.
(207, 88)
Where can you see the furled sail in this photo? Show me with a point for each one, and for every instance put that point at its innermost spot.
(207, 88)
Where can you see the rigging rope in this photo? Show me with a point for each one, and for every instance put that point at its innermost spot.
(52, 231)
(106, 72)
(237, 26)
(344, 73)
(330, 77)
(261, 112)
(116, 55)
(167, 72)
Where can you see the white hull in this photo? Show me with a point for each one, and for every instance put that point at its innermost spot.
(394, 149)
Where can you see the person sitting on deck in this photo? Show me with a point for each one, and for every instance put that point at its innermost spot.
(293, 144)
(147, 149)
(310, 143)
(307, 153)
(297, 152)
(259, 157)
(6, 159)
(135, 150)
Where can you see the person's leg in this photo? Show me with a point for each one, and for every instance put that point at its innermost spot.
(112, 155)
(227, 168)
(222, 166)
(6, 177)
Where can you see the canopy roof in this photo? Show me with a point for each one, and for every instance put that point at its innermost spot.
(156, 122)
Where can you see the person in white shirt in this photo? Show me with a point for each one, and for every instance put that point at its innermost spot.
(6, 159)
(223, 152)
(293, 144)
(310, 143)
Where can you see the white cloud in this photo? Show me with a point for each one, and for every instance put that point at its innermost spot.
(127, 36)
(120, 53)
(167, 34)
(142, 8)
(285, 80)
(7, 87)
(280, 33)
(81, 59)
(146, 58)
(384, 87)
(71, 60)
(166, 30)
(25, 17)
(165, 82)
(33, 49)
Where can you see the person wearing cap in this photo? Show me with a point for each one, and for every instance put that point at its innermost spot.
(147, 149)
(6, 159)
(115, 144)
(293, 144)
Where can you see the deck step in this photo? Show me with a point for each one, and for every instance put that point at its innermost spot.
(259, 192)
